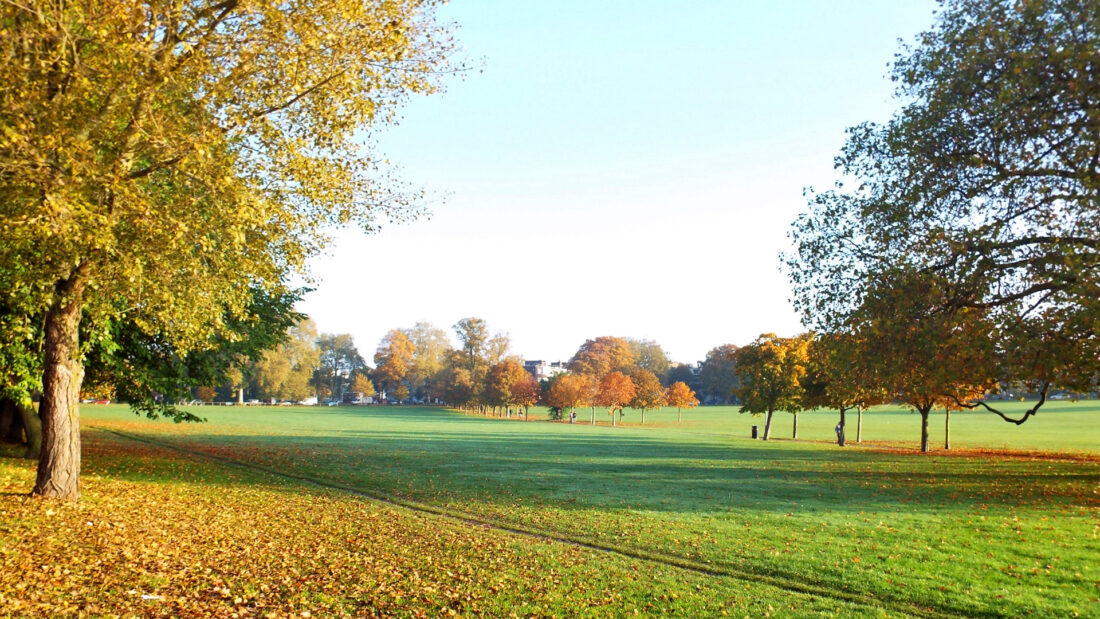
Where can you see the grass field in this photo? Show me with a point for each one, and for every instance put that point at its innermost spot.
(691, 518)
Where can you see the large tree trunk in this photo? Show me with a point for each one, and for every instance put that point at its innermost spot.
(840, 428)
(859, 424)
(7, 417)
(32, 426)
(11, 422)
(768, 425)
(794, 433)
(59, 461)
(924, 429)
(947, 429)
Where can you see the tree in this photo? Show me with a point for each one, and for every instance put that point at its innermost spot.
(401, 393)
(393, 359)
(204, 394)
(682, 372)
(152, 375)
(284, 372)
(473, 334)
(925, 353)
(681, 396)
(718, 376)
(601, 356)
(363, 385)
(616, 391)
(525, 393)
(503, 378)
(429, 356)
(161, 158)
(840, 376)
(648, 355)
(570, 390)
(984, 180)
(338, 360)
(498, 347)
(770, 370)
(459, 387)
(648, 392)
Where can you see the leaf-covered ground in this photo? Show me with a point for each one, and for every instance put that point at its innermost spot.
(981, 532)
(159, 533)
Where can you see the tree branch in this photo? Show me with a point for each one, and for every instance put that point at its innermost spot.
(289, 102)
(1029, 413)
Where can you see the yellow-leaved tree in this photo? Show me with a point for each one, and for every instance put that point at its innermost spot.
(770, 370)
(159, 157)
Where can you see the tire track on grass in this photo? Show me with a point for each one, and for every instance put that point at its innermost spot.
(668, 560)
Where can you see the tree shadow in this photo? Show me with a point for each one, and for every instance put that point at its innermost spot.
(582, 470)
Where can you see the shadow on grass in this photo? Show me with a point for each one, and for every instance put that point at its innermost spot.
(619, 471)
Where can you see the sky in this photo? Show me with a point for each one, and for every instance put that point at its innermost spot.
(626, 168)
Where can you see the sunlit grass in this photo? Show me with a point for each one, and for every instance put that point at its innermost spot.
(160, 534)
(974, 533)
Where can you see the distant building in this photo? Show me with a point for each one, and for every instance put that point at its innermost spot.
(544, 369)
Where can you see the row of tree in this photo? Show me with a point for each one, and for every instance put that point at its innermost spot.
(420, 363)
(960, 252)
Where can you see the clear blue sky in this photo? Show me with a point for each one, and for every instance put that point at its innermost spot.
(618, 168)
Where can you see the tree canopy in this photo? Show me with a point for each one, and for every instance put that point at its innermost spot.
(770, 371)
(161, 159)
(986, 183)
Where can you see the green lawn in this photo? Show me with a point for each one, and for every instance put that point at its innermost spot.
(983, 532)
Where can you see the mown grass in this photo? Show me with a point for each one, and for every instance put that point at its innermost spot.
(983, 532)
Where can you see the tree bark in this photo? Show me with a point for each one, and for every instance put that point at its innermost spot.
(924, 429)
(593, 415)
(11, 422)
(947, 429)
(32, 426)
(768, 425)
(678, 415)
(7, 417)
(840, 434)
(794, 434)
(859, 424)
(59, 460)
(612, 418)
(643, 416)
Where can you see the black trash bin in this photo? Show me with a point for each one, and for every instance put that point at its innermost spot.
(754, 432)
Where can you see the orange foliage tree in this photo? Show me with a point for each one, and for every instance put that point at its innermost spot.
(503, 377)
(648, 392)
(681, 396)
(525, 393)
(601, 356)
(569, 391)
(616, 391)
(393, 359)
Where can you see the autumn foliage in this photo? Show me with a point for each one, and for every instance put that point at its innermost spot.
(616, 391)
